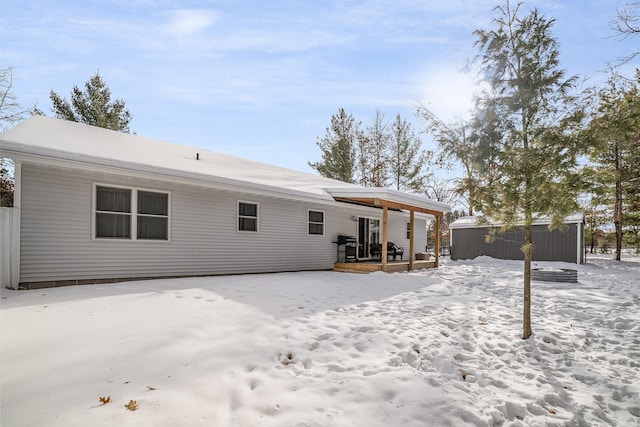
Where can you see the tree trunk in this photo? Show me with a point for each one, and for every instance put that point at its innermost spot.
(617, 216)
(528, 255)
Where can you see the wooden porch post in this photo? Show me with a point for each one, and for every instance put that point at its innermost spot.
(411, 218)
(385, 220)
(437, 240)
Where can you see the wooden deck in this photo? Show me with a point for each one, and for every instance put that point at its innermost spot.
(371, 266)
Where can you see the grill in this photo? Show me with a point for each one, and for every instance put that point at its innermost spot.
(347, 246)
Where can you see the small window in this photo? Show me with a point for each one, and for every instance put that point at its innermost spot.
(247, 216)
(408, 231)
(316, 223)
(113, 213)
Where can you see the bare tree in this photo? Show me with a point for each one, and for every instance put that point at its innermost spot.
(11, 112)
(627, 24)
(373, 153)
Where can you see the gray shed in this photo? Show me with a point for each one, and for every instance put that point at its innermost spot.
(468, 241)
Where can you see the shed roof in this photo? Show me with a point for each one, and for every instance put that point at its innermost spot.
(44, 139)
(472, 221)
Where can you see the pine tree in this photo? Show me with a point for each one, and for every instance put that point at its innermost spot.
(93, 106)
(614, 132)
(338, 148)
(529, 147)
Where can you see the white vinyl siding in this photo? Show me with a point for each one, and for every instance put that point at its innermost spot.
(57, 241)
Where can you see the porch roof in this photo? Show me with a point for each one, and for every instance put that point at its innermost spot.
(393, 199)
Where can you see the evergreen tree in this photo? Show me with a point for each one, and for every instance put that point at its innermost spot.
(614, 132)
(93, 106)
(527, 141)
(6, 183)
(338, 148)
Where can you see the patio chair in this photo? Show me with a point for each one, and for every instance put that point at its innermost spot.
(395, 250)
(375, 250)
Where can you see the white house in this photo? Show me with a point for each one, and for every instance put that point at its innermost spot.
(95, 206)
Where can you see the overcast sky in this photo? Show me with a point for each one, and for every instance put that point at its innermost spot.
(261, 79)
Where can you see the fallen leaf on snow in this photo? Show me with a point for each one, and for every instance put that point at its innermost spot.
(132, 405)
(105, 400)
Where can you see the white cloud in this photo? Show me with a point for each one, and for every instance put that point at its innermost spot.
(187, 22)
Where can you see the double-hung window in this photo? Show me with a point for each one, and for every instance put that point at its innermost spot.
(113, 213)
(408, 230)
(316, 222)
(132, 214)
(247, 216)
(153, 215)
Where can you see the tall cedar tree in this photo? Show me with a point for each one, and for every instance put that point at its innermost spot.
(407, 159)
(533, 159)
(614, 131)
(93, 106)
(338, 148)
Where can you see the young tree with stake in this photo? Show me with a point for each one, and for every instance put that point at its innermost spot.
(533, 159)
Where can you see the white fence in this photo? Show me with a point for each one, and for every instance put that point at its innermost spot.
(9, 247)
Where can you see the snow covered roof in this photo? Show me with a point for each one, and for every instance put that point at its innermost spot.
(472, 221)
(392, 198)
(45, 140)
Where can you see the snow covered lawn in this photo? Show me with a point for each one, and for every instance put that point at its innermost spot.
(435, 347)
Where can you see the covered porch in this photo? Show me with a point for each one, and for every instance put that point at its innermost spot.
(385, 199)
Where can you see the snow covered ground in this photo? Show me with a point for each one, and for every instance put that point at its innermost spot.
(430, 348)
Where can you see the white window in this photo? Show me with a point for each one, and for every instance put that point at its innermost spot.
(316, 222)
(132, 214)
(153, 215)
(247, 216)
